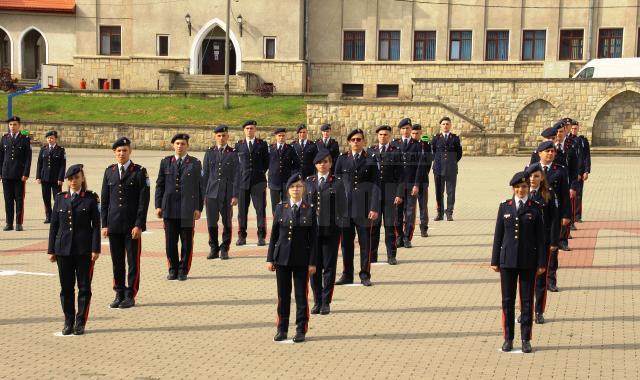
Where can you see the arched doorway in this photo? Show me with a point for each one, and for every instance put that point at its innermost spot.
(618, 122)
(6, 46)
(532, 120)
(207, 50)
(34, 54)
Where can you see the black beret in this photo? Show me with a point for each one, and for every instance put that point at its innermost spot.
(355, 132)
(72, 170)
(300, 127)
(416, 127)
(249, 122)
(549, 132)
(51, 133)
(533, 168)
(322, 153)
(558, 125)
(279, 130)
(180, 136)
(544, 146)
(567, 121)
(383, 128)
(221, 128)
(13, 118)
(325, 127)
(122, 141)
(574, 122)
(403, 122)
(293, 179)
(518, 178)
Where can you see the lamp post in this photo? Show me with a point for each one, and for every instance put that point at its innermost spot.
(239, 20)
(187, 19)
(226, 58)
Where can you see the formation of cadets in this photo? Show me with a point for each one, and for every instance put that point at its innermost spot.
(321, 199)
(535, 223)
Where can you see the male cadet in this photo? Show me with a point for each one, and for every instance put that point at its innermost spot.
(411, 172)
(567, 156)
(556, 175)
(15, 161)
(447, 150)
(548, 134)
(125, 202)
(253, 154)
(582, 143)
(328, 143)
(179, 202)
(306, 151)
(423, 194)
(359, 172)
(52, 162)
(219, 179)
(283, 163)
(388, 159)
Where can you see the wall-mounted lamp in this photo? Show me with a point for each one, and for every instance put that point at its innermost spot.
(239, 19)
(187, 19)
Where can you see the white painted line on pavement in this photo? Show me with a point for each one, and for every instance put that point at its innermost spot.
(17, 272)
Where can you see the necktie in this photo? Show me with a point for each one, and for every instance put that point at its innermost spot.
(295, 212)
(326, 142)
(121, 171)
(520, 204)
(279, 148)
(220, 151)
(559, 147)
(302, 144)
(180, 163)
(50, 148)
(321, 181)
(250, 146)
(546, 169)
(405, 143)
(74, 196)
(384, 148)
(533, 193)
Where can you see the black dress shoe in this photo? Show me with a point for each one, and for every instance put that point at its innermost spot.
(366, 282)
(424, 233)
(573, 227)
(438, 217)
(67, 329)
(374, 260)
(507, 345)
(449, 217)
(47, 221)
(553, 288)
(392, 261)
(407, 243)
(78, 330)
(127, 303)
(7, 228)
(315, 309)
(261, 242)
(116, 302)
(19, 227)
(564, 246)
(224, 255)
(213, 254)
(526, 346)
(399, 243)
(299, 338)
(325, 309)
(579, 220)
(280, 336)
(182, 277)
(241, 241)
(539, 318)
(344, 280)
(172, 276)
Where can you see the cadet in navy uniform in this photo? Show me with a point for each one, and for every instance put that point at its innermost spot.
(423, 194)
(253, 154)
(328, 143)
(549, 134)
(582, 143)
(306, 151)
(220, 181)
(388, 159)
(519, 254)
(556, 176)
(283, 163)
(179, 201)
(359, 172)
(52, 162)
(447, 151)
(292, 254)
(567, 155)
(74, 244)
(411, 171)
(125, 202)
(326, 194)
(15, 161)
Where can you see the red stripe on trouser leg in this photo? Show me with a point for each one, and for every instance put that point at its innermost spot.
(24, 189)
(532, 295)
(164, 225)
(86, 312)
(546, 282)
(369, 253)
(504, 318)
(136, 284)
(333, 279)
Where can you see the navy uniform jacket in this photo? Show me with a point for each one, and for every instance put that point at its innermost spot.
(179, 192)
(558, 180)
(585, 149)
(125, 202)
(15, 156)
(362, 183)
(389, 164)
(427, 160)
(306, 157)
(282, 165)
(332, 147)
(568, 159)
(293, 242)
(75, 225)
(446, 154)
(220, 175)
(52, 164)
(550, 217)
(254, 164)
(519, 240)
(329, 203)
(411, 161)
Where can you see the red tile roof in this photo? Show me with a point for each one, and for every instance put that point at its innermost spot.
(47, 6)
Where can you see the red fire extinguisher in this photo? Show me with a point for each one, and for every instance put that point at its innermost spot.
(83, 84)
(106, 85)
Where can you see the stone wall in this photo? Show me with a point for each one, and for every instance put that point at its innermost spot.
(287, 76)
(618, 122)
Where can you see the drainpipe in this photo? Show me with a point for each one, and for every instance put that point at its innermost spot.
(590, 29)
(307, 87)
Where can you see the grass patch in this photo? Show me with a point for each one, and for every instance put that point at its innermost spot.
(274, 111)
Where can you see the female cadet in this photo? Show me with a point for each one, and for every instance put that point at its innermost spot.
(292, 253)
(326, 194)
(74, 244)
(519, 253)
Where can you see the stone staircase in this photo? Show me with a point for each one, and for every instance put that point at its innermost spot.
(203, 83)
(27, 83)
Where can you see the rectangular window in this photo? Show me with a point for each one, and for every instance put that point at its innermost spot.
(424, 46)
(269, 47)
(387, 91)
(610, 43)
(389, 46)
(353, 46)
(162, 45)
(497, 46)
(110, 40)
(352, 89)
(460, 46)
(533, 45)
(115, 84)
(571, 43)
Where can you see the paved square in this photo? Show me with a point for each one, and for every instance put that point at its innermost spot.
(435, 315)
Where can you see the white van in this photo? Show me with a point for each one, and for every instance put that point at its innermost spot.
(610, 68)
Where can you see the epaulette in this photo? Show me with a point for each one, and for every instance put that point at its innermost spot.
(61, 193)
(509, 202)
(312, 178)
(344, 153)
(372, 147)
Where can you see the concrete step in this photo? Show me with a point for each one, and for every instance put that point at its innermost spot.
(614, 151)
(184, 82)
(27, 83)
